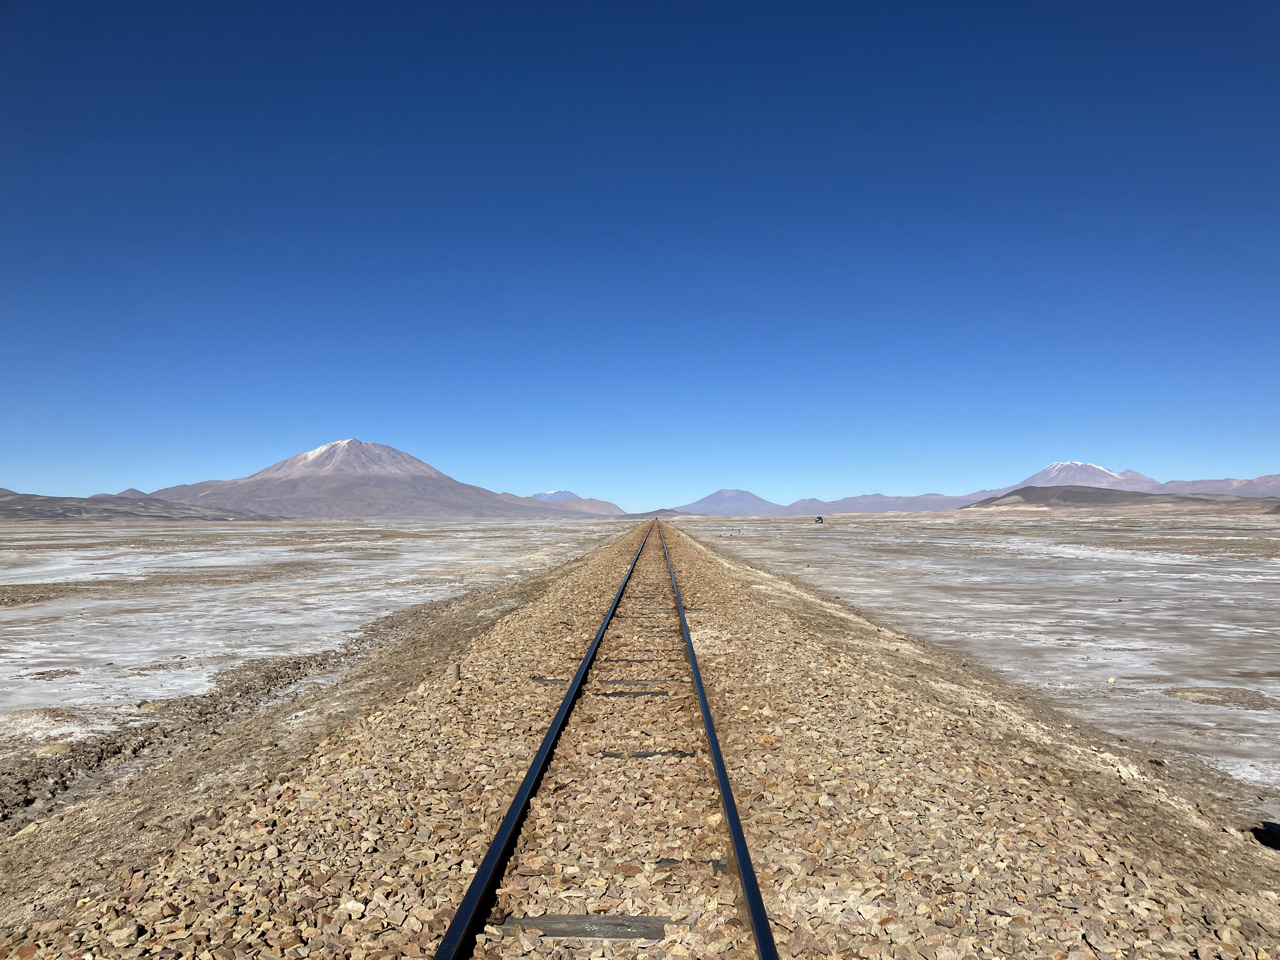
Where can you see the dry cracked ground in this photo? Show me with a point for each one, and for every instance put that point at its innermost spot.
(897, 802)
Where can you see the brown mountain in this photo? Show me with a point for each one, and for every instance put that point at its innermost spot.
(1078, 497)
(352, 478)
(590, 506)
(579, 505)
(1268, 486)
(105, 506)
(734, 503)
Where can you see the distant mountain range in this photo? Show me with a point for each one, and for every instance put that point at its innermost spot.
(356, 479)
(743, 503)
(353, 478)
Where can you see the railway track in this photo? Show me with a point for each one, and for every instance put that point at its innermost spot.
(627, 802)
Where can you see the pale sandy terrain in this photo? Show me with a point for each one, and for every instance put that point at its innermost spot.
(95, 617)
(121, 642)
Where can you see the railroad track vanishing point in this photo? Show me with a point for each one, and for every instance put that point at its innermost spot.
(633, 742)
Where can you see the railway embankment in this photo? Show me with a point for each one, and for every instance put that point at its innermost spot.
(896, 803)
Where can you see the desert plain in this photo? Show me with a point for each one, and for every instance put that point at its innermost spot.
(932, 762)
(1158, 628)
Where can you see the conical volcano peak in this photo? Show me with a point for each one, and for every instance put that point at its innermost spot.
(1068, 466)
(1078, 473)
(350, 458)
(734, 503)
(556, 496)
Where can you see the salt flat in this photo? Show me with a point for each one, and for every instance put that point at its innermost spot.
(96, 617)
(1180, 611)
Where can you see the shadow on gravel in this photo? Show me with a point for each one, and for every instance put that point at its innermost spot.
(1268, 834)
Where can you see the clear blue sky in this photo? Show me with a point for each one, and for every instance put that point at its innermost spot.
(640, 250)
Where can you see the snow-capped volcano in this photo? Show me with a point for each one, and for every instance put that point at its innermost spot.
(555, 496)
(350, 458)
(1076, 473)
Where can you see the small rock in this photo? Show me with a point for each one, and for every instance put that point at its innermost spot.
(125, 935)
(898, 932)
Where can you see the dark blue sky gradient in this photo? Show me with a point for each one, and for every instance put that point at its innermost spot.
(640, 250)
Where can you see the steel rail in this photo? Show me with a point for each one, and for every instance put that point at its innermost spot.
(459, 940)
(757, 918)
